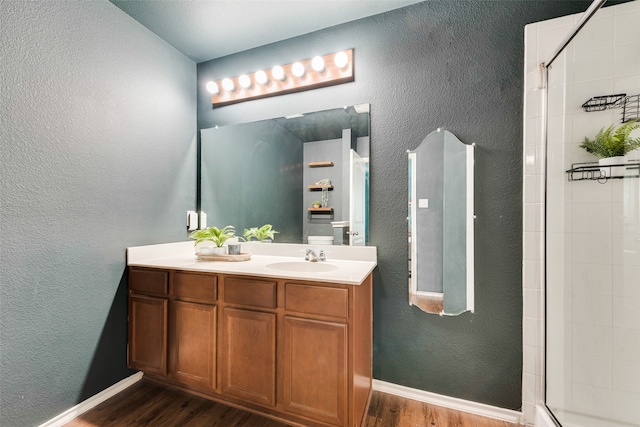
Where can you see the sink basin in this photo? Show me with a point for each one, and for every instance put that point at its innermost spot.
(303, 266)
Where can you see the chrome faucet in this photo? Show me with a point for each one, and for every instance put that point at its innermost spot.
(313, 257)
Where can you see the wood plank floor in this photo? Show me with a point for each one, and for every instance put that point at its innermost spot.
(147, 403)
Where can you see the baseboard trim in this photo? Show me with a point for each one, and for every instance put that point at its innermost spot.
(93, 401)
(476, 408)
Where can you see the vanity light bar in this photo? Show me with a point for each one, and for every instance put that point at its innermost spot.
(302, 75)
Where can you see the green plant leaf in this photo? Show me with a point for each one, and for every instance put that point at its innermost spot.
(249, 233)
(262, 233)
(213, 234)
(612, 142)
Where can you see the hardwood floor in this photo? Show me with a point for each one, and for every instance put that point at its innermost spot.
(387, 410)
(147, 403)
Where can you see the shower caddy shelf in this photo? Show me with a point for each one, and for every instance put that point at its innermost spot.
(630, 105)
(594, 171)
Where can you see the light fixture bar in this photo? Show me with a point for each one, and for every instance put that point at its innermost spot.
(330, 75)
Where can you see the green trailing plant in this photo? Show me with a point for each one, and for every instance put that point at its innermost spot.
(213, 234)
(262, 233)
(612, 142)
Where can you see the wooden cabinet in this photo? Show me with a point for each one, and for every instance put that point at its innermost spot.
(148, 333)
(315, 351)
(249, 337)
(250, 356)
(193, 343)
(315, 369)
(148, 306)
(172, 325)
(150, 282)
(317, 301)
(252, 293)
(295, 351)
(193, 331)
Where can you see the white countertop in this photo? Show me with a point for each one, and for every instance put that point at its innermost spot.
(354, 263)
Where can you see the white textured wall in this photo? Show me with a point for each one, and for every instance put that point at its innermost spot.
(98, 140)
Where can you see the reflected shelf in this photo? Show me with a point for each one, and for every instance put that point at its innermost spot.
(320, 187)
(325, 213)
(327, 164)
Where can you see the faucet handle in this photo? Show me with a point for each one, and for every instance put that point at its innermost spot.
(311, 256)
(321, 256)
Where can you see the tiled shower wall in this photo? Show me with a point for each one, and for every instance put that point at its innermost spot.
(593, 229)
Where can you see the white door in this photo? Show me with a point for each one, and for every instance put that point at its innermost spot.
(357, 202)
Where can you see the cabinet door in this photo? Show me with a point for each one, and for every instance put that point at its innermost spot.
(249, 355)
(148, 334)
(315, 369)
(193, 343)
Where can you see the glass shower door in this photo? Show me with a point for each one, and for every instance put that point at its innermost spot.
(592, 232)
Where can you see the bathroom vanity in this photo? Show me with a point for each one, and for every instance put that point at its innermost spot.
(275, 335)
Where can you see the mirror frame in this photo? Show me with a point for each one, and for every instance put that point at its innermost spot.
(434, 301)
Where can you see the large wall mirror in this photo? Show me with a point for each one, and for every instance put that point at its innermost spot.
(272, 171)
(441, 231)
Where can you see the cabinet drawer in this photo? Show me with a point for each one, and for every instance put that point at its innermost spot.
(320, 300)
(149, 281)
(250, 292)
(197, 287)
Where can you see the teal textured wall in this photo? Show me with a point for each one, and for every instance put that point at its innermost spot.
(451, 64)
(98, 152)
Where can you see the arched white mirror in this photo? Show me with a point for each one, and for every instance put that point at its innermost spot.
(441, 231)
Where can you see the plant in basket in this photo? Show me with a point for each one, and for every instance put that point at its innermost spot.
(611, 145)
(216, 235)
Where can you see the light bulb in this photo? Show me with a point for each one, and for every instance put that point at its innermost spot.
(278, 73)
(341, 59)
(317, 63)
(297, 69)
(244, 81)
(213, 88)
(261, 77)
(227, 84)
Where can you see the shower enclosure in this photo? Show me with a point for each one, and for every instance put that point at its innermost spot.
(582, 222)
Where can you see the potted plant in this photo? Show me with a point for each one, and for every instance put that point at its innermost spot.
(316, 204)
(265, 233)
(216, 235)
(611, 145)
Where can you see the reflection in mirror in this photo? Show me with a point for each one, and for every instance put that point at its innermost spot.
(272, 171)
(441, 263)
